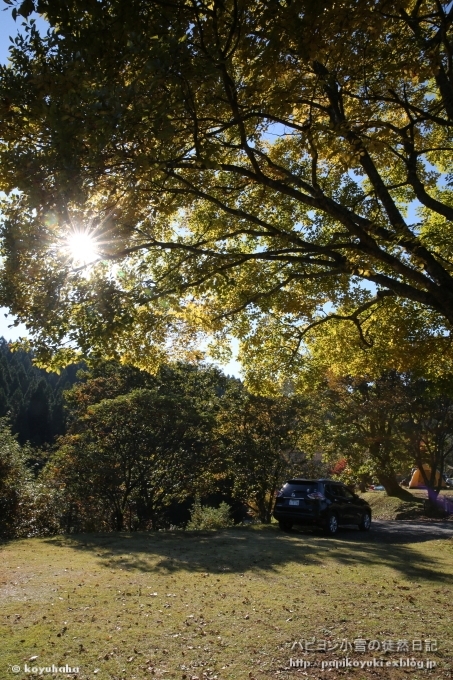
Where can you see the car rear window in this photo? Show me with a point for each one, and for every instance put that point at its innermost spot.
(300, 489)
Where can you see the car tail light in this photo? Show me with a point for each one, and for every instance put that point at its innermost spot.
(316, 496)
(280, 494)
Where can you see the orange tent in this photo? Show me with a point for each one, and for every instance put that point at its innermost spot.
(417, 481)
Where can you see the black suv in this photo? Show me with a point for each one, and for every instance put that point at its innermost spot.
(320, 502)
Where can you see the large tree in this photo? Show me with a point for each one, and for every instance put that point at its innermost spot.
(427, 430)
(241, 163)
(260, 438)
(360, 418)
(137, 442)
(385, 426)
(131, 456)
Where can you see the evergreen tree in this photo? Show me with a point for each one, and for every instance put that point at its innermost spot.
(33, 398)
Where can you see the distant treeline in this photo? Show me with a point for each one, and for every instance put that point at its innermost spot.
(31, 398)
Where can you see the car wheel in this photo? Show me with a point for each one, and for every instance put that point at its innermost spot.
(285, 525)
(331, 527)
(365, 523)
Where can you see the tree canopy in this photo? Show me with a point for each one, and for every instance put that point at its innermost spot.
(266, 170)
(141, 448)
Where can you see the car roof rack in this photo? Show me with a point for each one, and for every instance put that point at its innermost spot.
(294, 480)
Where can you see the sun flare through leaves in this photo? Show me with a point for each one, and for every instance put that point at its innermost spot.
(82, 247)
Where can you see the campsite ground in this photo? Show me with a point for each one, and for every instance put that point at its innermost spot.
(234, 604)
(388, 507)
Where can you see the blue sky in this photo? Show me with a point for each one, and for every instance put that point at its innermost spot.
(9, 27)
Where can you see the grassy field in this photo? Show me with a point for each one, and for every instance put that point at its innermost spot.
(235, 604)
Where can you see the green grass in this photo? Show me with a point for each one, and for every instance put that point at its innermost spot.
(391, 508)
(228, 605)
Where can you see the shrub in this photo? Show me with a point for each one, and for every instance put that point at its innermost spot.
(14, 481)
(27, 506)
(40, 511)
(204, 518)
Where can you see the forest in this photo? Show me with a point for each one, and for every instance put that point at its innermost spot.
(31, 398)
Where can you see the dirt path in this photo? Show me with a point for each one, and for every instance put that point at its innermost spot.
(414, 529)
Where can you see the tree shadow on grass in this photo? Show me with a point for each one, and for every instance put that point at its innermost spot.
(261, 550)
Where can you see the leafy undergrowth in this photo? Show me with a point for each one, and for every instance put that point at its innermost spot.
(234, 604)
(391, 508)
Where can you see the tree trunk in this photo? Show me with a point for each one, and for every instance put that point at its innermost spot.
(431, 504)
(263, 510)
(392, 488)
(118, 520)
(446, 91)
(270, 505)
